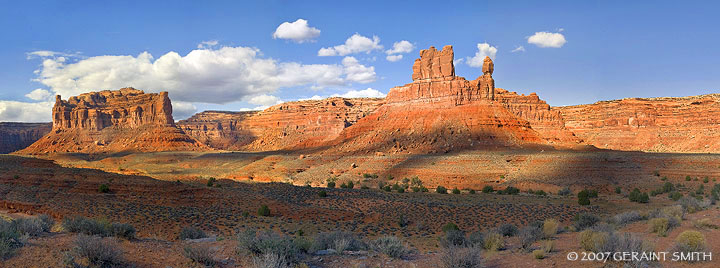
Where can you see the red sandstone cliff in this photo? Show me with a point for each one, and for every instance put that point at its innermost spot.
(112, 121)
(291, 125)
(684, 124)
(16, 136)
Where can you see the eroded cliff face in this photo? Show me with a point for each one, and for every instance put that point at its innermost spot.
(291, 125)
(16, 136)
(113, 121)
(684, 124)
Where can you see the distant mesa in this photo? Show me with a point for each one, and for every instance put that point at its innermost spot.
(113, 121)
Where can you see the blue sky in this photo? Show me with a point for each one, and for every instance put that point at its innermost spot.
(612, 49)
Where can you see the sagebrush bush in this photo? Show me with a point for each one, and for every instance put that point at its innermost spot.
(493, 241)
(191, 233)
(270, 260)
(507, 229)
(538, 254)
(453, 238)
(690, 205)
(255, 243)
(470, 257)
(330, 240)
(99, 252)
(690, 241)
(585, 220)
(9, 239)
(391, 246)
(476, 239)
(80, 224)
(627, 218)
(659, 226)
(200, 254)
(528, 235)
(550, 228)
(594, 241)
(123, 230)
(30, 226)
(450, 226)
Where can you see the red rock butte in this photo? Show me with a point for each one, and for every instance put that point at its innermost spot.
(111, 121)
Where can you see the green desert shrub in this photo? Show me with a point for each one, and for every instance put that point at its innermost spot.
(331, 184)
(487, 189)
(550, 228)
(449, 227)
(455, 191)
(191, 233)
(583, 198)
(200, 254)
(639, 197)
(509, 191)
(675, 196)
(104, 188)
(507, 229)
(539, 254)
(264, 210)
(99, 252)
(441, 190)
(466, 257)
(659, 226)
(211, 181)
(322, 194)
(690, 241)
(493, 241)
(391, 246)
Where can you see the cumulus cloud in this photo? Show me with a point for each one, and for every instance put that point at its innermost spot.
(208, 44)
(39, 94)
(546, 39)
(183, 110)
(357, 72)
(484, 49)
(365, 93)
(205, 75)
(355, 44)
(264, 100)
(518, 49)
(15, 111)
(400, 47)
(394, 58)
(298, 31)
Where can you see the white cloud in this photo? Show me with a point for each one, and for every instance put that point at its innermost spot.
(48, 54)
(355, 44)
(183, 110)
(394, 58)
(39, 94)
(484, 49)
(208, 44)
(546, 39)
(298, 31)
(518, 49)
(357, 72)
(206, 75)
(15, 111)
(400, 47)
(365, 93)
(264, 100)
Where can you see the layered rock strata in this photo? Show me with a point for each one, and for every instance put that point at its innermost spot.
(16, 136)
(681, 124)
(113, 121)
